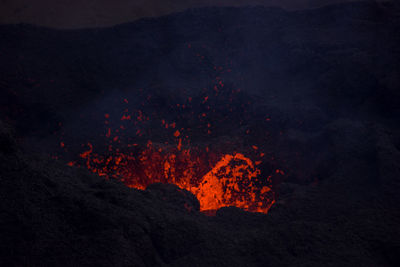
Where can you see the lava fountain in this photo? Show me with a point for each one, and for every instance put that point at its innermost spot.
(234, 180)
(154, 144)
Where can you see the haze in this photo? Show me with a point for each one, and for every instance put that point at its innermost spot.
(99, 13)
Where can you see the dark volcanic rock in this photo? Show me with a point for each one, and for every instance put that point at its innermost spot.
(7, 141)
(327, 78)
(311, 66)
(170, 193)
(53, 215)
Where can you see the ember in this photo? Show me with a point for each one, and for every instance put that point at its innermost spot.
(150, 142)
(233, 181)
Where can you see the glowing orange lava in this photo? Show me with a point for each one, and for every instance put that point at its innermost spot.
(217, 177)
(234, 180)
(231, 183)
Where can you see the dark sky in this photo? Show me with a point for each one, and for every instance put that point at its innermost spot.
(92, 13)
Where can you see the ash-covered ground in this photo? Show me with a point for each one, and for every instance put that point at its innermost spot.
(316, 91)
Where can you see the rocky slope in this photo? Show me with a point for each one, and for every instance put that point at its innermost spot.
(328, 78)
(55, 215)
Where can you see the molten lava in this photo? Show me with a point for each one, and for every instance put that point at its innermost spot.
(232, 183)
(234, 180)
(215, 173)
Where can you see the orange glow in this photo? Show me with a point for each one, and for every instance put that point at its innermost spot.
(125, 118)
(230, 183)
(216, 175)
(177, 133)
(234, 180)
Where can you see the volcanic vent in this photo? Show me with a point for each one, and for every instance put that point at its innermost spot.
(183, 141)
